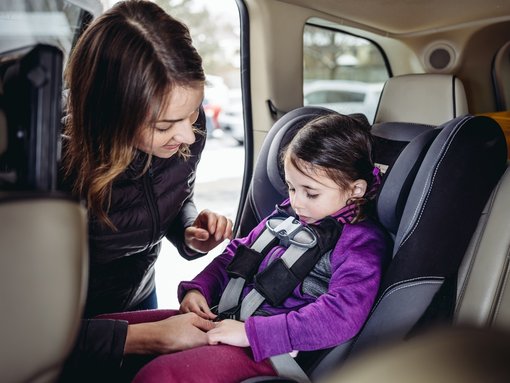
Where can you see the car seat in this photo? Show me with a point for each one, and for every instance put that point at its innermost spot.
(44, 263)
(454, 180)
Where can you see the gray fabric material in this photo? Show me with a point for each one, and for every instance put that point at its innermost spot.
(316, 283)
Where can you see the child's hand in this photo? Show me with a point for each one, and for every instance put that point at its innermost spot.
(195, 302)
(228, 331)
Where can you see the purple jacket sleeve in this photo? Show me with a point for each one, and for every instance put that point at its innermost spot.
(213, 279)
(336, 316)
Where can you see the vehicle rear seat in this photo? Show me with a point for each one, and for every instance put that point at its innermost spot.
(483, 294)
(43, 239)
(43, 275)
(410, 105)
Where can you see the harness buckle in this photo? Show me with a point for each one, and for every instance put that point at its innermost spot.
(288, 230)
(232, 313)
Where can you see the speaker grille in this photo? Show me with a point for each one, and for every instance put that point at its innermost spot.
(439, 58)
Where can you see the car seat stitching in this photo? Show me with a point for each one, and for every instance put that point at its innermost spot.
(417, 281)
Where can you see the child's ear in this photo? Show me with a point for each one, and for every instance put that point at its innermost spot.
(358, 188)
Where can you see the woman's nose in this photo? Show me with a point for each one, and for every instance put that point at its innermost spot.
(185, 133)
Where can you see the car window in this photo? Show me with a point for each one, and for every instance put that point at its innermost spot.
(332, 96)
(29, 22)
(341, 71)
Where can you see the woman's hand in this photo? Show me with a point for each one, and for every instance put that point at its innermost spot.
(228, 331)
(196, 303)
(176, 333)
(208, 231)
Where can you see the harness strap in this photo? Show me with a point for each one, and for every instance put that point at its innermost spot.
(265, 286)
(286, 366)
(230, 297)
(289, 270)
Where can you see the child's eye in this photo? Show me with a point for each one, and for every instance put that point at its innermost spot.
(291, 190)
(311, 196)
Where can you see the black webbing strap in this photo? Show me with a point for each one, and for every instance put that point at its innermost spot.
(246, 261)
(279, 279)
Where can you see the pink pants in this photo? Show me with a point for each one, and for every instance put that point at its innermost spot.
(221, 363)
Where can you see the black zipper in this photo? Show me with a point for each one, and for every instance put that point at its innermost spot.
(151, 203)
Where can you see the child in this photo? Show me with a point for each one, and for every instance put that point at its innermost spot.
(329, 172)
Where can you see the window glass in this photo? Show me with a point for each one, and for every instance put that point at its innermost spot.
(342, 72)
(28, 22)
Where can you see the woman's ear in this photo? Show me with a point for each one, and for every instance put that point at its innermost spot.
(358, 188)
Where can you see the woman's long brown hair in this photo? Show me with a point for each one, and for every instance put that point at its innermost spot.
(119, 75)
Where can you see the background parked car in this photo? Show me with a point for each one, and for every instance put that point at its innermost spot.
(215, 98)
(344, 96)
(231, 119)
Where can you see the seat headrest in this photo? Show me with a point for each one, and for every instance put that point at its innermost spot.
(268, 185)
(429, 99)
(43, 283)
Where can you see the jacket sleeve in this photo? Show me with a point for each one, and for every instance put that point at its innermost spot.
(188, 212)
(99, 349)
(335, 316)
(214, 278)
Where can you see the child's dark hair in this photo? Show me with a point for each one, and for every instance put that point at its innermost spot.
(341, 146)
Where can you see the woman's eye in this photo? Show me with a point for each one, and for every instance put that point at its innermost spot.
(311, 196)
(162, 129)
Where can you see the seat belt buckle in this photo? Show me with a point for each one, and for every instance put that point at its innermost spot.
(233, 313)
(287, 232)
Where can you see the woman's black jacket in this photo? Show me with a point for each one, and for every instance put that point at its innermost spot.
(145, 208)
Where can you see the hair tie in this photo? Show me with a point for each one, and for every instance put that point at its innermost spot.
(376, 183)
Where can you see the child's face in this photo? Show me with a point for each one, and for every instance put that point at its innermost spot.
(313, 196)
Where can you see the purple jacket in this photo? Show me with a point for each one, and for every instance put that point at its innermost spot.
(304, 322)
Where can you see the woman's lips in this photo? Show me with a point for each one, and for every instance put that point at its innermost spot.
(172, 147)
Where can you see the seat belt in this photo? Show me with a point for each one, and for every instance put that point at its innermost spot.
(286, 366)
(298, 239)
(291, 234)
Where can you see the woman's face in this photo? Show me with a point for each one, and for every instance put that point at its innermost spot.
(174, 126)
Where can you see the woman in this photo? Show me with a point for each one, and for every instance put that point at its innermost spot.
(133, 138)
